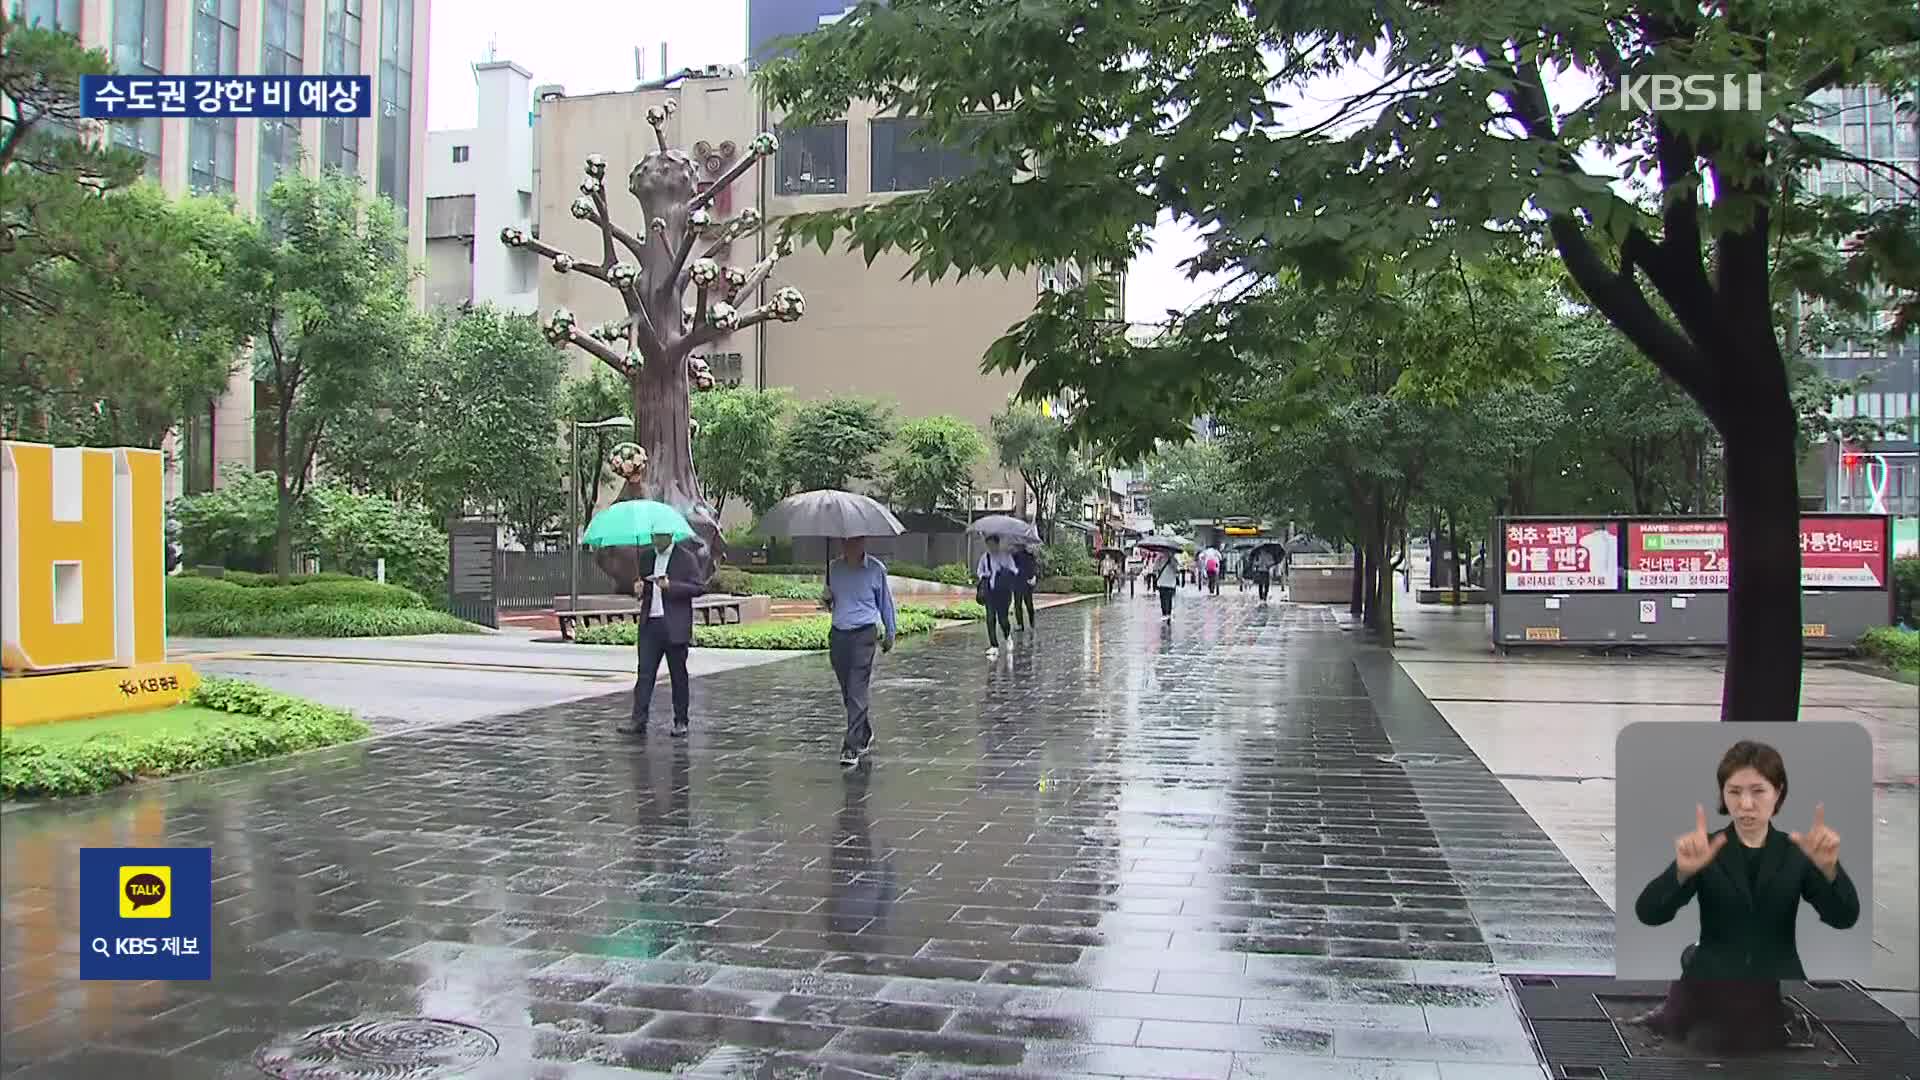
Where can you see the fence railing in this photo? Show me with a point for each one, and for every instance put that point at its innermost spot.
(531, 579)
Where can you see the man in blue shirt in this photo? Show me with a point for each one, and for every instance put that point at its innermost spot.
(863, 617)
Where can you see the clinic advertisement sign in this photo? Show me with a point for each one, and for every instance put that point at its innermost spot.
(1561, 556)
(146, 913)
(1843, 552)
(1685, 556)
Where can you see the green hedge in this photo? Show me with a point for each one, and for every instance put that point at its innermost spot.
(188, 594)
(1906, 589)
(332, 621)
(785, 587)
(259, 723)
(1893, 646)
(1070, 586)
(799, 635)
(731, 582)
(958, 611)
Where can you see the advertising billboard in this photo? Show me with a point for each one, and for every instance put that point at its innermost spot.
(1843, 552)
(1685, 556)
(1562, 556)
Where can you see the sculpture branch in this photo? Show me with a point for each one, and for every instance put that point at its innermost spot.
(602, 350)
(726, 180)
(563, 262)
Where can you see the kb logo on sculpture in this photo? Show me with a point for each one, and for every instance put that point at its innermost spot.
(1691, 93)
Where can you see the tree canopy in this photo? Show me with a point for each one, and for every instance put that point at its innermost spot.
(1040, 449)
(834, 442)
(736, 445)
(932, 464)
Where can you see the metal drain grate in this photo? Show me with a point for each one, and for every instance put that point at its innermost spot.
(1423, 758)
(378, 1048)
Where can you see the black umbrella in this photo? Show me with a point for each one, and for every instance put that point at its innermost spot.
(1307, 545)
(1278, 549)
(837, 515)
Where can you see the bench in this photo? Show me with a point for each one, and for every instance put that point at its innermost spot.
(707, 611)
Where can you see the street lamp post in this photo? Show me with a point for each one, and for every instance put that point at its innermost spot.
(573, 490)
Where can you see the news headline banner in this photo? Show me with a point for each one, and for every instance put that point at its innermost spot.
(122, 97)
(146, 913)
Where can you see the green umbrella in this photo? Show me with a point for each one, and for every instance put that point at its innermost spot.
(635, 522)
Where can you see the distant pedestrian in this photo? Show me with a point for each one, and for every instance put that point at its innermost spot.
(1111, 570)
(995, 575)
(863, 618)
(1027, 569)
(669, 582)
(1166, 577)
(1210, 566)
(1261, 563)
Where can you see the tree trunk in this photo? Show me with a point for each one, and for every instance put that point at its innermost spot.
(283, 492)
(1358, 607)
(1764, 644)
(662, 411)
(1383, 601)
(1453, 554)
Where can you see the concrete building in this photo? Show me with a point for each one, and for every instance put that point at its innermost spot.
(866, 331)
(240, 157)
(479, 181)
(1867, 124)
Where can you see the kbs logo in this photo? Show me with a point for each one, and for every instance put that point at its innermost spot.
(83, 562)
(1691, 93)
(146, 892)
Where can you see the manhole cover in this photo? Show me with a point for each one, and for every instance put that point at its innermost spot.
(1424, 759)
(392, 1048)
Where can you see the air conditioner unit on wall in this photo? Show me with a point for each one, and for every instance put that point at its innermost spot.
(1000, 499)
(979, 502)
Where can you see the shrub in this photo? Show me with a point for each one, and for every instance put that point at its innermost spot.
(1906, 590)
(231, 526)
(954, 574)
(1066, 558)
(1896, 647)
(188, 594)
(252, 580)
(259, 723)
(783, 587)
(799, 635)
(731, 582)
(1068, 586)
(317, 622)
(958, 611)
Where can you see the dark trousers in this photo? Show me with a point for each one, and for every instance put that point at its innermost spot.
(1213, 583)
(998, 626)
(1166, 601)
(654, 646)
(1262, 581)
(851, 652)
(1023, 607)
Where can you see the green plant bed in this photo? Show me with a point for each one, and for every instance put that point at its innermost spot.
(1895, 647)
(799, 635)
(199, 594)
(958, 611)
(223, 722)
(333, 621)
(786, 587)
(1071, 586)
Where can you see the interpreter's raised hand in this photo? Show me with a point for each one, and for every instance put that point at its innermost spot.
(1821, 844)
(1693, 851)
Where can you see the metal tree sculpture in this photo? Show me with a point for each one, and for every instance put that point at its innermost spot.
(652, 348)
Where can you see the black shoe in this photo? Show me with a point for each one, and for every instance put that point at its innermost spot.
(639, 729)
(678, 730)
(849, 757)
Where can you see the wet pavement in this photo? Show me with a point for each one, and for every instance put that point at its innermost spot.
(1236, 847)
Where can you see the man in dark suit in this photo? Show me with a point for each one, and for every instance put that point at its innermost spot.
(669, 581)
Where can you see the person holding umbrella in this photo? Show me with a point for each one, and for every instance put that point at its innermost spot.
(856, 592)
(996, 574)
(1166, 571)
(670, 578)
(1026, 575)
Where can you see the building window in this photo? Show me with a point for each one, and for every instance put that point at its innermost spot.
(340, 55)
(283, 28)
(393, 174)
(212, 140)
(139, 48)
(460, 154)
(903, 161)
(813, 160)
(200, 472)
(53, 14)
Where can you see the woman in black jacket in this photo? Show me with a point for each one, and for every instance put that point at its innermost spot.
(1749, 880)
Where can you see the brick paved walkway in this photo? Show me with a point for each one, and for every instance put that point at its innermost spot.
(1121, 850)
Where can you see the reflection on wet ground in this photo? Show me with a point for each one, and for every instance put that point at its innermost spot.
(1121, 849)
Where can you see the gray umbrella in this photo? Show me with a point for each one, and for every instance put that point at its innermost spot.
(1010, 528)
(1161, 543)
(832, 514)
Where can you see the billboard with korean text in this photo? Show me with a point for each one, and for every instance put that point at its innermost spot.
(1843, 552)
(1685, 556)
(1561, 556)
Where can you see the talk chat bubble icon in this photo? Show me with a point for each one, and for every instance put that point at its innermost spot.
(146, 892)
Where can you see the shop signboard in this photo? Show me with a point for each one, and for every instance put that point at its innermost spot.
(1843, 552)
(1562, 556)
(1683, 556)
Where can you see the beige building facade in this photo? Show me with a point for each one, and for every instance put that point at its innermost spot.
(386, 39)
(867, 330)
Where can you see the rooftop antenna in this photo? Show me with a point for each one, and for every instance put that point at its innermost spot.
(639, 65)
(493, 48)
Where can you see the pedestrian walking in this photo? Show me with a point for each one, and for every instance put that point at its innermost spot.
(1261, 563)
(1210, 569)
(1027, 575)
(863, 619)
(1166, 577)
(1112, 569)
(995, 574)
(669, 582)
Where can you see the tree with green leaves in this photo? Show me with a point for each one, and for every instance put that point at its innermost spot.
(1041, 449)
(116, 318)
(834, 442)
(597, 396)
(324, 281)
(1193, 481)
(1093, 117)
(736, 445)
(932, 464)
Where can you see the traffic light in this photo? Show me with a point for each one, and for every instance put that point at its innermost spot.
(1849, 459)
